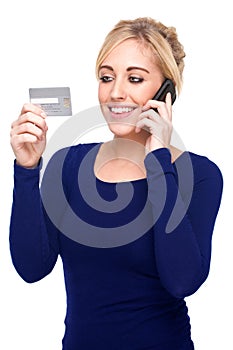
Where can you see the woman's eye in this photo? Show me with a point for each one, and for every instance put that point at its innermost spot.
(135, 80)
(106, 78)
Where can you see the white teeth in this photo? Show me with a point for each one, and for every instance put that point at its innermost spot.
(120, 110)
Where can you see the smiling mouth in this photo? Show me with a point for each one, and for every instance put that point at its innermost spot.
(121, 111)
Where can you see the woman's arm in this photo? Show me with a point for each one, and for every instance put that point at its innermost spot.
(33, 239)
(183, 248)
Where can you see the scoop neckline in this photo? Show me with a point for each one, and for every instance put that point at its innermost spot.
(143, 179)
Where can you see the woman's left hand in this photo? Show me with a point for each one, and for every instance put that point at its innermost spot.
(158, 124)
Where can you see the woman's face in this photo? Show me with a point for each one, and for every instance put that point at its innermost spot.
(129, 77)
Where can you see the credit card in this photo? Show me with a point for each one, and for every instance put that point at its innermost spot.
(55, 101)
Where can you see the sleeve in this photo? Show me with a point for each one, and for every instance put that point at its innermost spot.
(33, 238)
(183, 245)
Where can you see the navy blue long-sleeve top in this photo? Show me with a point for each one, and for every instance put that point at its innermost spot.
(131, 251)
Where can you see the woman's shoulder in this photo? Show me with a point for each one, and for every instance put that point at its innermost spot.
(73, 152)
(202, 165)
(194, 170)
(203, 162)
(68, 158)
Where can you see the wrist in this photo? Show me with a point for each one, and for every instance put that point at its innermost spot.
(28, 166)
(155, 144)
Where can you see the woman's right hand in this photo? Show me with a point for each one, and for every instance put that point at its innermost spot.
(28, 136)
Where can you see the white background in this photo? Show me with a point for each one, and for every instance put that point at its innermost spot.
(55, 43)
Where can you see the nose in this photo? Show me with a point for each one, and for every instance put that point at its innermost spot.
(118, 91)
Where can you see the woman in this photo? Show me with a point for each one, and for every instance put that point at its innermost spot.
(131, 295)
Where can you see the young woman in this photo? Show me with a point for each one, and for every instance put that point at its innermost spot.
(133, 254)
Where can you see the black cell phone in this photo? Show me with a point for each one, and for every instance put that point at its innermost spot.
(167, 86)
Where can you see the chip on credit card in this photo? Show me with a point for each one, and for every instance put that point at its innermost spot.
(55, 101)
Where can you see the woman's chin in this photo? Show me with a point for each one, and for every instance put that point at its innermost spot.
(121, 129)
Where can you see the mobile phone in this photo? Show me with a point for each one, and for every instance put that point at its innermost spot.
(167, 86)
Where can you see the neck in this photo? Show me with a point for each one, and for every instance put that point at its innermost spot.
(122, 157)
(130, 144)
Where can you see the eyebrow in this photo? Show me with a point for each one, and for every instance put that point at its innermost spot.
(128, 69)
(107, 67)
(139, 68)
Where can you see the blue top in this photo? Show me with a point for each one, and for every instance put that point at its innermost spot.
(131, 251)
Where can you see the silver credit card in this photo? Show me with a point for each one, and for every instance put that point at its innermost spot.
(55, 101)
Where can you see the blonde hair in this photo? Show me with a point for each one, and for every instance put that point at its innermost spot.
(162, 41)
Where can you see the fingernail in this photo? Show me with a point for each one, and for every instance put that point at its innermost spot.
(43, 114)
